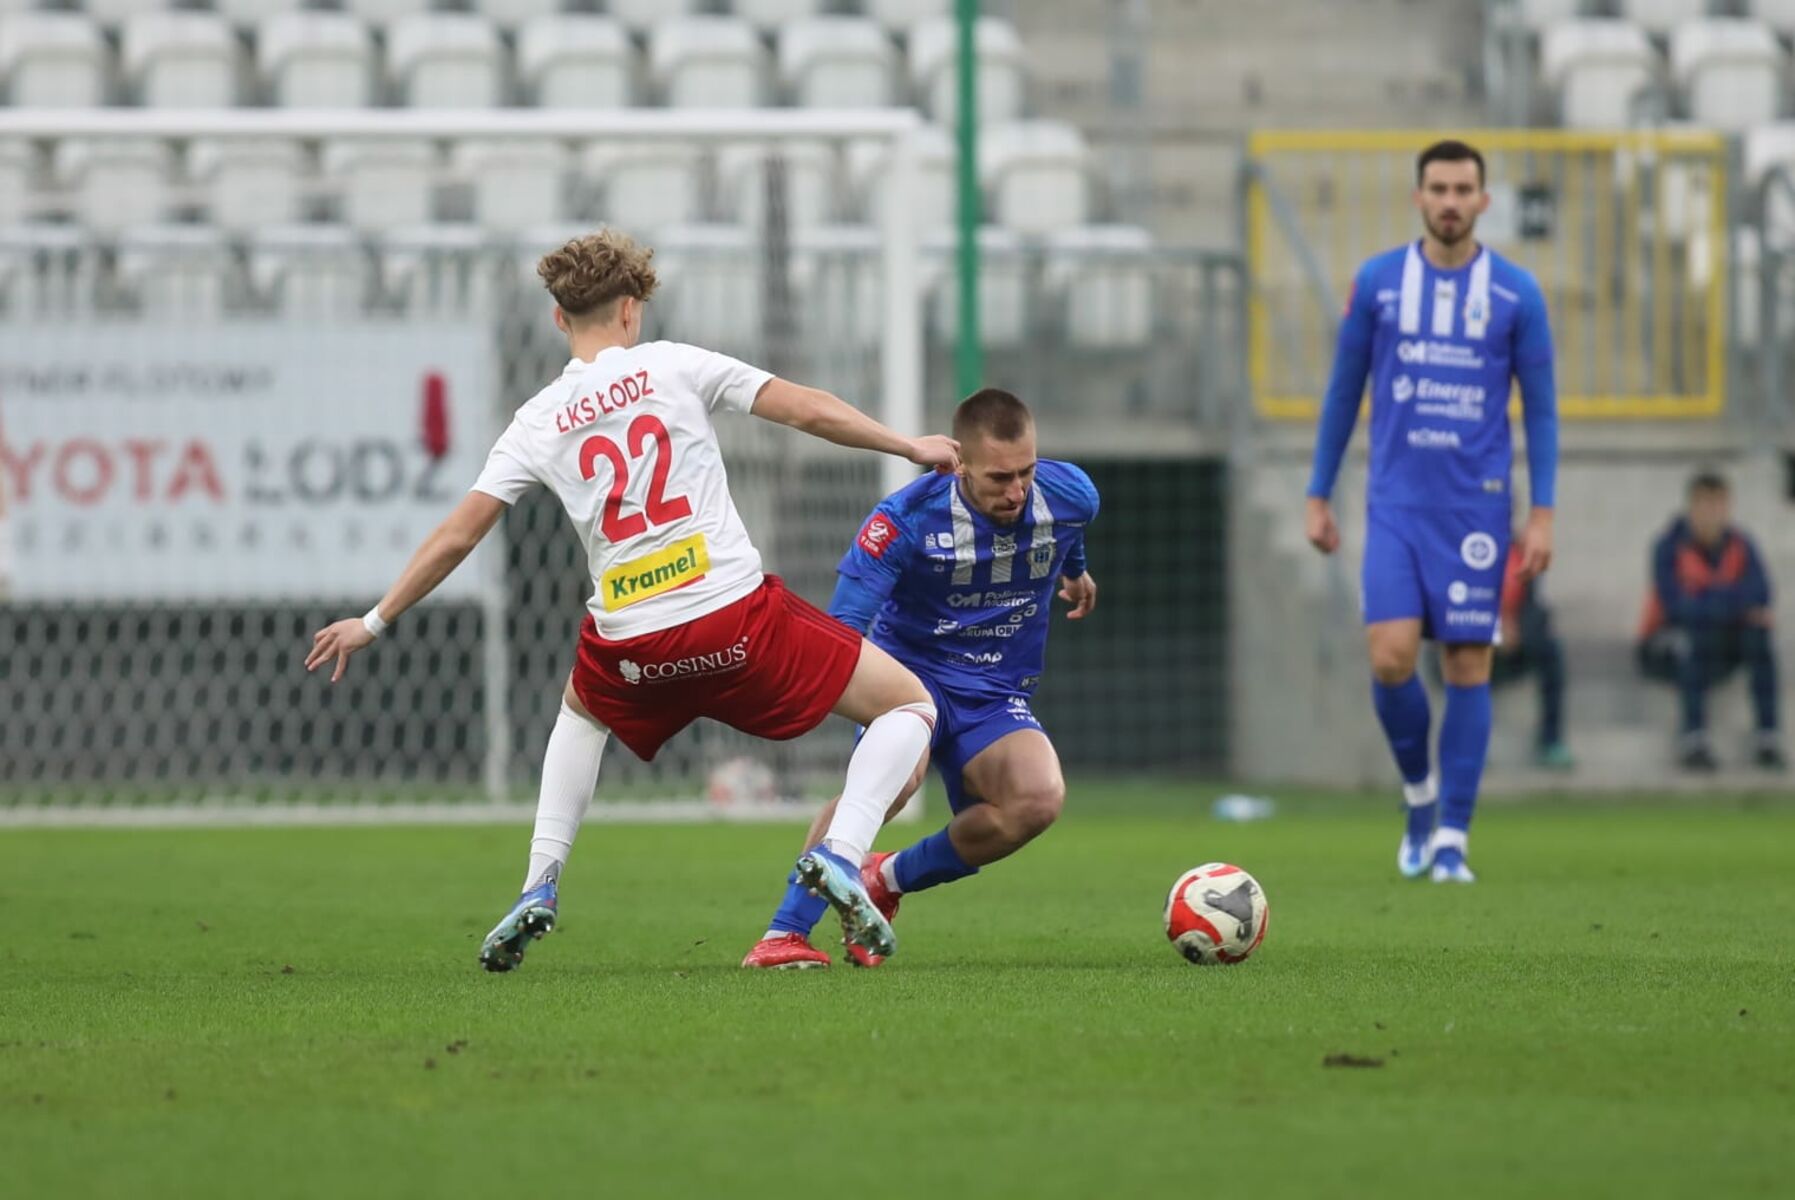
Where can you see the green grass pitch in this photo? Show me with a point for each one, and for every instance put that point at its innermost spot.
(275, 1013)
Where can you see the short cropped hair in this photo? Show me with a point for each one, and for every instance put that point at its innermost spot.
(589, 274)
(1708, 481)
(994, 413)
(1449, 150)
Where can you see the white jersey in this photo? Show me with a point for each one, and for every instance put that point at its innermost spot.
(625, 441)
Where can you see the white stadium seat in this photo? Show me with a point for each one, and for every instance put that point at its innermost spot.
(176, 271)
(517, 182)
(1778, 14)
(1539, 15)
(18, 176)
(710, 291)
(1661, 16)
(510, 14)
(1730, 71)
(249, 13)
(385, 12)
(1103, 273)
(644, 186)
(1003, 286)
(935, 201)
(1598, 68)
(1035, 172)
(118, 183)
(52, 60)
(435, 269)
(113, 12)
(315, 60)
(836, 62)
(251, 182)
(745, 169)
(577, 61)
(644, 15)
(386, 183)
(934, 50)
(900, 16)
(707, 62)
(311, 271)
(445, 60)
(181, 59)
(769, 15)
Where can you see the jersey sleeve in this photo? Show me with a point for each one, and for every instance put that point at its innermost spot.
(871, 568)
(1077, 497)
(507, 474)
(1532, 357)
(1346, 384)
(723, 383)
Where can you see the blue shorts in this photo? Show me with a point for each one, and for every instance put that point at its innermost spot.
(966, 725)
(1443, 565)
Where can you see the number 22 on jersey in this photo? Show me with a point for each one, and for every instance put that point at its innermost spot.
(659, 509)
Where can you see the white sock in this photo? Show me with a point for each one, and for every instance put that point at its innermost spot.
(569, 773)
(881, 766)
(888, 872)
(1420, 795)
(1451, 839)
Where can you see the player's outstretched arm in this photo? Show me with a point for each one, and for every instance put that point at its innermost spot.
(816, 412)
(441, 553)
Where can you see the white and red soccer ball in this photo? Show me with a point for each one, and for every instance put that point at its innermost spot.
(1216, 914)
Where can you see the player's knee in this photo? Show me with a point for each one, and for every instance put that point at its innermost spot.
(1035, 810)
(1392, 665)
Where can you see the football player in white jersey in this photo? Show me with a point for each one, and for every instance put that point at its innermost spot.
(682, 623)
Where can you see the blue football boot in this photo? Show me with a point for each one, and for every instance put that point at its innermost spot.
(532, 916)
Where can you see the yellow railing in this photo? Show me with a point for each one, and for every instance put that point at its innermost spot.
(1626, 233)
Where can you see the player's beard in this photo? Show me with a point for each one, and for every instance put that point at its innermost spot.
(1465, 228)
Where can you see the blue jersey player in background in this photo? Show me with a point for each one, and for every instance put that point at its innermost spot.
(1440, 327)
(955, 576)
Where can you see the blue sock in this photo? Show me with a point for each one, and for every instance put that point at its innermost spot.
(1403, 711)
(929, 862)
(1464, 744)
(799, 911)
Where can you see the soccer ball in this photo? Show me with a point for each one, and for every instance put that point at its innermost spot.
(1216, 914)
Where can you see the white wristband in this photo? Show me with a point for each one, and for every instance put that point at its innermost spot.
(372, 622)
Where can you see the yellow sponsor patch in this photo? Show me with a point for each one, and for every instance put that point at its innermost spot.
(632, 582)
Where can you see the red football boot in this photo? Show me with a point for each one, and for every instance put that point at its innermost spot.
(872, 878)
(785, 952)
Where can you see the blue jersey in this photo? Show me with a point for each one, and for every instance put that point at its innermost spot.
(957, 597)
(1441, 348)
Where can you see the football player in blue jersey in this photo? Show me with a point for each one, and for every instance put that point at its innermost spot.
(1440, 327)
(955, 576)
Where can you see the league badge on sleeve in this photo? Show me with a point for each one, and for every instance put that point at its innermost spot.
(878, 534)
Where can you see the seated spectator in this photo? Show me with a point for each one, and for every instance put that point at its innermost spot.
(1528, 644)
(1708, 612)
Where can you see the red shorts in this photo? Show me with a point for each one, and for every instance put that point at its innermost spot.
(770, 665)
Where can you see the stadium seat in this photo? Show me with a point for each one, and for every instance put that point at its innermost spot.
(836, 276)
(836, 62)
(1103, 273)
(1599, 68)
(1540, 15)
(251, 182)
(517, 182)
(936, 199)
(769, 16)
(445, 60)
(311, 272)
(900, 16)
(1778, 14)
(1731, 73)
(315, 60)
(250, 13)
(179, 272)
(511, 14)
(52, 60)
(117, 183)
(384, 12)
(1662, 16)
(643, 186)
(707, 62)
(1035, 174)
(115, 12)
(745, 169)
(577, 62)
(710, 289)
(643, 15)
(1004, 286)
(436, 270)
(386, 183)
(933, 57)
(18, 177)
(181, 60)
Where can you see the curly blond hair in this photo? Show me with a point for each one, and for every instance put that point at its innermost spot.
(589, 274)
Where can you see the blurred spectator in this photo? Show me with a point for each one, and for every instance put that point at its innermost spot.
(1708, 612)
(1528, 645)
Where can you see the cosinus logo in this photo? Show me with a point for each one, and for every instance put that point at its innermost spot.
(718, 662)
(1478, 550)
